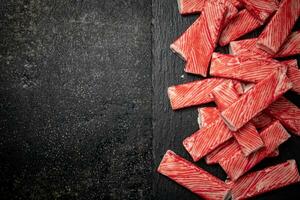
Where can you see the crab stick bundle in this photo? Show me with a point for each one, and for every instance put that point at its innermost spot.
(231, 146)
(261, 9)
(266, 180)
(192, 177)
(248, 138)
(226, 150)
(256, 100)
(283, 110)
(197, 44)
(270, 40)
(238, 164)
(193, 93)
(242, 24)
(205, 140)
(242, 48)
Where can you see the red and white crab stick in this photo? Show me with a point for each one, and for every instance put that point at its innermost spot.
(266, 180)
(193, 178)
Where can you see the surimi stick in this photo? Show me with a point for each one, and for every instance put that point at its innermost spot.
(186, 7)
(261, 9)
(192, 177)
(248, 138)
(197, 44)
(242, 24)
(270, 40)
(224, 95)
(238, 164)
(287, 113)
(205, 140)
(291, 46)
(224, 151)
(266, 180)
(248, 46)
(256, 100)
(232, 11)
(294, 74)
(250, 70)
(262, 120)
(192, 93)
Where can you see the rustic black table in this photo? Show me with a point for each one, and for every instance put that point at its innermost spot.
(84, 112)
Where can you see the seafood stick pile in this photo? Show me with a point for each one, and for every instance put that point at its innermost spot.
(252, 117)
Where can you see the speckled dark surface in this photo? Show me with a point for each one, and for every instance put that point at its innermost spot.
(75, 99)
(83, 106)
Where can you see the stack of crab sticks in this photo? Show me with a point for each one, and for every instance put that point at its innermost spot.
(252, 118)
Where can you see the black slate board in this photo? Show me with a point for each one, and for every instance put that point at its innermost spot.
(84, 112)
(169, 127)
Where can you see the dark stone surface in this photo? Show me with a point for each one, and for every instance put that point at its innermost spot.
(84, 112)
(75, 103)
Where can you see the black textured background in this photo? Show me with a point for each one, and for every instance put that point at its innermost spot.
(83, 107)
